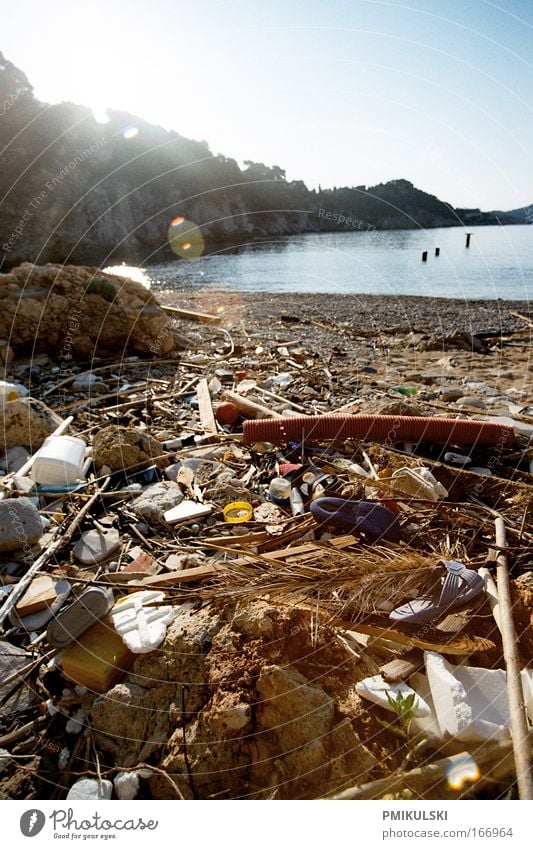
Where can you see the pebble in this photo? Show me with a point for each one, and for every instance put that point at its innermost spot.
(95, 546)
(90, 789)
(126, 784)
(472, 401)
(14, 459)
(451, 393)
(20, 524)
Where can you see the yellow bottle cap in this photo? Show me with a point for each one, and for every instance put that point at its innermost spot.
(238, 511)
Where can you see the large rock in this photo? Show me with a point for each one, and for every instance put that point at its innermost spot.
(80, 311)
(20, 524)
(26, 422)
(126, 448)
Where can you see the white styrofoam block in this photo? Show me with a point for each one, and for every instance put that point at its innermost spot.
(142, 628)
(470, 702)
(375, 689)
(527, 688)
(427, 726)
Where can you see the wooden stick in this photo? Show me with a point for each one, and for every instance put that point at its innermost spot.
(251, 408)
(193, 315)
(207, 416)
(490, 759)
(515, 696)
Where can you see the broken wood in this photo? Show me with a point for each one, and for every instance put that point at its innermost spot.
(460, 646)
(250, 408)
(515, 695)
(193, 315)
(207, 417)
(183, 576)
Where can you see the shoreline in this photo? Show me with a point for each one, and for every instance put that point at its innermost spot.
(384, 313)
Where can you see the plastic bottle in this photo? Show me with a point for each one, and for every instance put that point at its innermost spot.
(59, 460)
(279, 490)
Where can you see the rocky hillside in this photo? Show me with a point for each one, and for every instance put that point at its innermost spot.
(73, 190)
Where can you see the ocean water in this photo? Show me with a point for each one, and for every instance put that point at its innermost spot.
(498, 264)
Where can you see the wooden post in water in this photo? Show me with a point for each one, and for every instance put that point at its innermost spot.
(424, 256)
(468, 239)
(437, 251)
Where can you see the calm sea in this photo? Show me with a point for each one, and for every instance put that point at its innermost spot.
(498, 264)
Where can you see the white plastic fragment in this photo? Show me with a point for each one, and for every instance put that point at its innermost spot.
(126, 784)
(470, 702)
(418, 483)
(63, 758)
(376, 689)
(142, 628)
(187, 511)
(91, 789)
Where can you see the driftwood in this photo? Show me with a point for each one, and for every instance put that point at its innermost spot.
(515, 696)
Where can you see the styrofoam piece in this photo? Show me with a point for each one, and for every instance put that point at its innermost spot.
(527, 689)
(59, 460)
(142, 628)
(470, 702)
(187, 511)
(376, 689)
(426, 726)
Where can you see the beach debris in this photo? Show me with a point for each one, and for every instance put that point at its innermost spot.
(59, 460)
(460, 586)
(96, 545)
(156, 500)
(79, 616)
(14, 459)
(187, 511)
(21, 525)
(34, 610)
(98, 659)
(141, 626)
(15, 695)
(372, 520)
(385, 694)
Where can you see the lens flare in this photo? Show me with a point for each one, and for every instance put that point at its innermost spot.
(462, 771)
(130, 132)
(185, 238)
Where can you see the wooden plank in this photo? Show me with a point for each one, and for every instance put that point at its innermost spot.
(184, 576)
(40, 594)
(207, 417)
(193, 315)
(402, 667)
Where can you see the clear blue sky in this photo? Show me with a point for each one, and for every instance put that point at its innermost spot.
(345, 92)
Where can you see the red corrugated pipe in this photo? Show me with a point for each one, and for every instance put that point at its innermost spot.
(386, 429)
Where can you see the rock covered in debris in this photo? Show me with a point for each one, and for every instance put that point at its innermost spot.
(156, 499)
(124, 448)
(80, 311)
(20, 524)
(26, 422)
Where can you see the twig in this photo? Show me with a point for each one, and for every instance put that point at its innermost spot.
(515, 696)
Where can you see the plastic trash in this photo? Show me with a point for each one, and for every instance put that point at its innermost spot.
(141, 627)
(279, 490)
(8, 392)
(376, 690)
(59, 460)
(375, 521)
(79, 616)
(418, 483)
(460, 586)
(238, 511)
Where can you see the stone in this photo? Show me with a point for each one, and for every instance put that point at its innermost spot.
(14, 459)
(96, 545)
(26, 422)
(451, 393)
(78, 311)
(13, 659)
(90, 789)
(20, 524)
(126, 784)
(156, 500)
(121, 448)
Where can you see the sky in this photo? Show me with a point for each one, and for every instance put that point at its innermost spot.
(337, 92)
